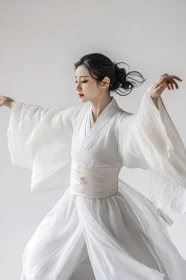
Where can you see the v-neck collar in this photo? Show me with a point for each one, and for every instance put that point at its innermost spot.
(91, 133)
(111, 104)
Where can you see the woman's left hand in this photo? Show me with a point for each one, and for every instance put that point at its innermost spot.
(165, 81)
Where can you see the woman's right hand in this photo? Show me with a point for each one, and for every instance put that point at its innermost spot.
(5, 101)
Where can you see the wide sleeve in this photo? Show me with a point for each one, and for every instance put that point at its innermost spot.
(40, 139)
(150, 140)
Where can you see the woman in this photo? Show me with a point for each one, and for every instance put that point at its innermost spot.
(81, 150)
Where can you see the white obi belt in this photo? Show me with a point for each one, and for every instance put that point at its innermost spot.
(94, 182)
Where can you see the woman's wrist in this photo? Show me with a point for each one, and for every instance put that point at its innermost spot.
(155, 100)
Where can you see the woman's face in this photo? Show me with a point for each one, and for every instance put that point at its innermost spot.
(86, 85)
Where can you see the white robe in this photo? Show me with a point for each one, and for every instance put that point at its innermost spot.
(121, 236)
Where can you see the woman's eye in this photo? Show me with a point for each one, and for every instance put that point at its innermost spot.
(82, 82)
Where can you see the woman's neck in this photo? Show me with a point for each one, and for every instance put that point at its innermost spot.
(99, 105)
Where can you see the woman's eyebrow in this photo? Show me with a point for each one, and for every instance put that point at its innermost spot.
(82, 76)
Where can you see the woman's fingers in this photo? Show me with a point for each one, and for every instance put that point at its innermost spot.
(167, 84)
(176, 85)
(177, 78)
(169, 81)
(173, 83)
(165, 81)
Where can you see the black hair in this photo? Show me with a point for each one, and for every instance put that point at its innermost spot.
(100, 66)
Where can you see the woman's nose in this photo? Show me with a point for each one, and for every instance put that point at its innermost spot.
(78, 88)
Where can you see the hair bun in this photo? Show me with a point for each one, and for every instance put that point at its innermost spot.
(121, 76)
(125, 82)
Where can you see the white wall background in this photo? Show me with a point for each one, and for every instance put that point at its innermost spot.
(39, 43)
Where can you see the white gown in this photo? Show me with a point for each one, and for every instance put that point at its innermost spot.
(101, 223)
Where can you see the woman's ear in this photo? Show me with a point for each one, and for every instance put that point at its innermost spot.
(105, 82)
